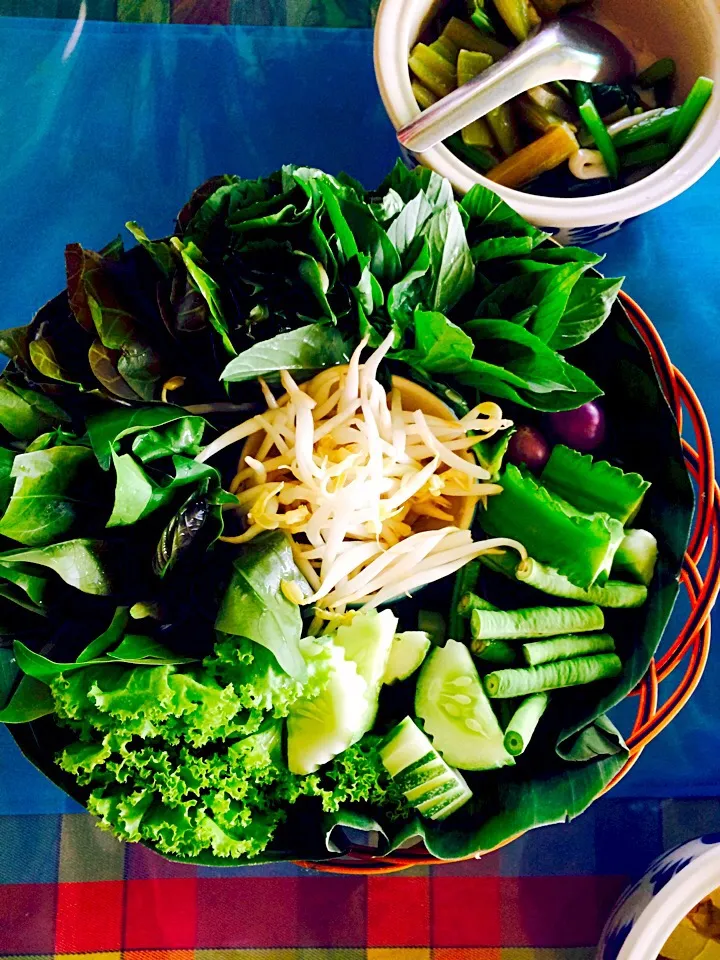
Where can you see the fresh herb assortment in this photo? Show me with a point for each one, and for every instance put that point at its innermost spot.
(240, 605)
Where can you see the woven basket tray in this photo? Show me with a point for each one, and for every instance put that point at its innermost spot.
(685, 658)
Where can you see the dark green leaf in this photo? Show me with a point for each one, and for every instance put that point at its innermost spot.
(53, 494)
(486, 209)
(450, 262)
(407, 225)
(497, 247)
(20, 418)
(255, 607)
(194, 527)
(137, 494)
(404, 296)
(107, 429)
(83, 564)
(183, 437)
(587, 309)
(372, 240)
(31, 700)
(104, 365)
(302, 352)
(192, 258)
(551, 296)
(7, 481)
(159, 250)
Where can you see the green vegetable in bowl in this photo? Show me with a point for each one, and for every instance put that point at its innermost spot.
(535, 133)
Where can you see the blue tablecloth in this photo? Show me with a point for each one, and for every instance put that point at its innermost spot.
(124, 125)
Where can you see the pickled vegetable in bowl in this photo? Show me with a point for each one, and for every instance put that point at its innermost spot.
(558, 139)
(697, 936)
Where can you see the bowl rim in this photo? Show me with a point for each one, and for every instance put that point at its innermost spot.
(395, 28)
(664, 912)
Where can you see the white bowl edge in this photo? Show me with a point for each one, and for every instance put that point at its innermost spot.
(397, 26)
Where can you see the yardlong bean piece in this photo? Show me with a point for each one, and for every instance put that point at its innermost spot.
(495, 651)
(524, 723)
(552, 676)
(567, 647)
(532, 622)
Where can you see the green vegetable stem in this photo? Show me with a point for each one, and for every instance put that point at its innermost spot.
(465, 581)
(552, 676)
(614, 593)
(567, 647)
(534, 622)
(524, 723)
(471, 601)
(690, 112)
(596, 128)
(655, 127)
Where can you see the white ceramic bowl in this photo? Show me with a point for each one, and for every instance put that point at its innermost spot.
(648, 912)
(688, 30)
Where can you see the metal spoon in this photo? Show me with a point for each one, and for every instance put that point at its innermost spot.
(571, 48)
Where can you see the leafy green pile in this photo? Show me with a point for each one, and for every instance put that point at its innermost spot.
(157, 663)
(286, 270)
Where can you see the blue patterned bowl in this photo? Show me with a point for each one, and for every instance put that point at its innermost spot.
(656, 25)
(648, 912)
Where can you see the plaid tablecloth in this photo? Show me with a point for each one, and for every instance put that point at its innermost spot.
(69, 889)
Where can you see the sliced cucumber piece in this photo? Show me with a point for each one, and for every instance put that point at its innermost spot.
(636, 557)
(321, 728)
(429, 784)
(404, 747)
(367, 641)
(407, 652)
(456, 712)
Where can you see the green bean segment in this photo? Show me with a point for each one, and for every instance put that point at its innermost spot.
(567, 647)
(552, 676)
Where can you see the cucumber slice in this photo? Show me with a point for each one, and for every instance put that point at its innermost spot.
(456, 712)
(636, 557)
(367, 641)
(429, 784)
(407, 652)
(321, 728)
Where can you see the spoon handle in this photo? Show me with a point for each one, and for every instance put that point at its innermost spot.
(541, 59)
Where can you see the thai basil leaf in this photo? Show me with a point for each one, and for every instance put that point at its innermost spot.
(551, 296)
(301, 352)
(254, 605)
(451, 266)
(485, 209)
(405, 295)
(588, 308)
(409, 222)
(372, 240)
(497, 247)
